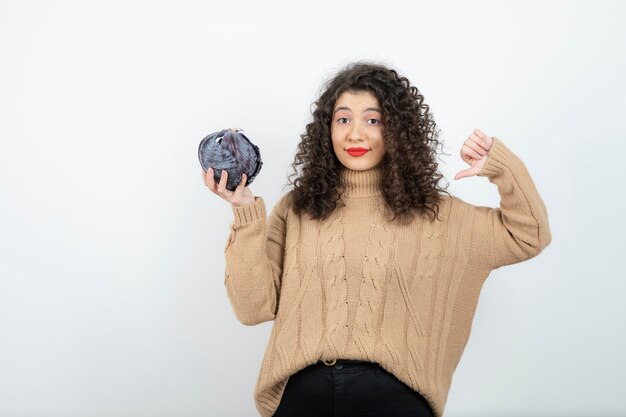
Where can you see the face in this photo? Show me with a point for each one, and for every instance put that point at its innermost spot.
(357, 130)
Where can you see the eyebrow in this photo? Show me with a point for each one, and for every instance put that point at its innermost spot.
(376, 109)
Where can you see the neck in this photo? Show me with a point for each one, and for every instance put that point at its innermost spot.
(361, 183)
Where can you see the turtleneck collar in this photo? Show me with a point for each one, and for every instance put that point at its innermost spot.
(361, 183)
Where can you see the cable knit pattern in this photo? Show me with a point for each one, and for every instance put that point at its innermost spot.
(285, 340)
(333, 278)
(375, 264)
(356, 286)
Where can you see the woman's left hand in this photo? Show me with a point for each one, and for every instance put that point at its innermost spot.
(474, 152)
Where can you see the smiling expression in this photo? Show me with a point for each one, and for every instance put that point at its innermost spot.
(357, 130)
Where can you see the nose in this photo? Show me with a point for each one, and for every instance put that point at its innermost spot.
(355, 133)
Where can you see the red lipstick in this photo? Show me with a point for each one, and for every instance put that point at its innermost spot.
(357, 151)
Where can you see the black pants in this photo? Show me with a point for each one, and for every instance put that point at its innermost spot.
(349, 389)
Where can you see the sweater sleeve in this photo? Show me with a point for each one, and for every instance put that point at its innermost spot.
(518, 229)
(254, 260)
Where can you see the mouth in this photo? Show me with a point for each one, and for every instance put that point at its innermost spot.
(357, 151)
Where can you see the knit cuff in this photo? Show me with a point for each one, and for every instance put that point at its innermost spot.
(498, 159)
(249, 213)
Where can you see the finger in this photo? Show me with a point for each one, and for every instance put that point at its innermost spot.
(479, 133)
(465, 173)
(210, 179)
(484, 145)
(476, 147)
(482, 139)
(469, 151)
(223, 179)
(480, 142)
(460, 174)
(241, 185)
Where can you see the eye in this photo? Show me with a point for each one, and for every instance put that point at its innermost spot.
(342, 118)
(376, 121)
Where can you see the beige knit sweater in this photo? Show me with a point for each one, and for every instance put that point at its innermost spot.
(358, 287)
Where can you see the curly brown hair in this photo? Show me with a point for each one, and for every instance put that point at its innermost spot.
(411, 140)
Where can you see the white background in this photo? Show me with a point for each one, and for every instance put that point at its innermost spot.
(112, 301)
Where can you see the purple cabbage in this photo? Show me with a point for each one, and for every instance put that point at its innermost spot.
(231, 150)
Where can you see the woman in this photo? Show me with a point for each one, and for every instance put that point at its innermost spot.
(370, 271)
